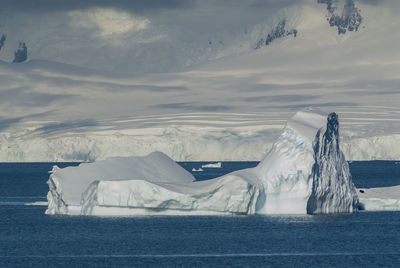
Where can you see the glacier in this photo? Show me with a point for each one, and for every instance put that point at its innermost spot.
(304, 172)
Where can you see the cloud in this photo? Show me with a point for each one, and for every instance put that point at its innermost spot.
(108, 21)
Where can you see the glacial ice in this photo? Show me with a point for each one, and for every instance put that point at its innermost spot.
(304, 172)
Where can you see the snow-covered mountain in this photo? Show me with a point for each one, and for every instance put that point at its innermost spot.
(110, 40)
(91, 89)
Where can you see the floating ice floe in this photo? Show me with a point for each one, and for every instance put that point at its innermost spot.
(304, 172)
(212, 165)
(383, 198)
(37, 203)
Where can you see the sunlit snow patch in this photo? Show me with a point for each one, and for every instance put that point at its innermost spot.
(304, 172)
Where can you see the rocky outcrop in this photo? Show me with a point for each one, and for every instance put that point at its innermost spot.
(350, 18)
(21, 54)
(278, 31)
(2, 41)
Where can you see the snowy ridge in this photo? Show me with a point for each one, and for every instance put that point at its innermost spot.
(281, 183)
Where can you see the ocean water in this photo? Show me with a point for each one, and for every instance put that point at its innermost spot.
(29, 238)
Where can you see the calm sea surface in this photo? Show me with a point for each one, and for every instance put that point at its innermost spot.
(29, 238)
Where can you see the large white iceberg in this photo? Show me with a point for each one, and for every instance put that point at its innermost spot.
(304, 172)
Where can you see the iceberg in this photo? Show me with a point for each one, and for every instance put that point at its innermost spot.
(304, 172)
(212, 165)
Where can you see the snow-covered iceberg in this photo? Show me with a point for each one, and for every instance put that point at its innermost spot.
(304, 172)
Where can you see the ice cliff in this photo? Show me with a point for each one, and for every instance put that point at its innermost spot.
(305, 172)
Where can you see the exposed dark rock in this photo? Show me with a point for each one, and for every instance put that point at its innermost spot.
(2, 41)
(21, 54)
(349, 20)
(277, 32)
(260, 43)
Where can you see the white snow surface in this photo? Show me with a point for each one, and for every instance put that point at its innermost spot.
(304, 172)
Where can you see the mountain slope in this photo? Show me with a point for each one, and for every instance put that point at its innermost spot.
(229, 104)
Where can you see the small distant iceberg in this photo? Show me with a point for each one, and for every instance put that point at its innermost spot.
(212, 165)
(197, 170)
(37, 203)
(305, 172)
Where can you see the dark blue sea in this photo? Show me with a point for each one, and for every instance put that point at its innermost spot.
(29, 238)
